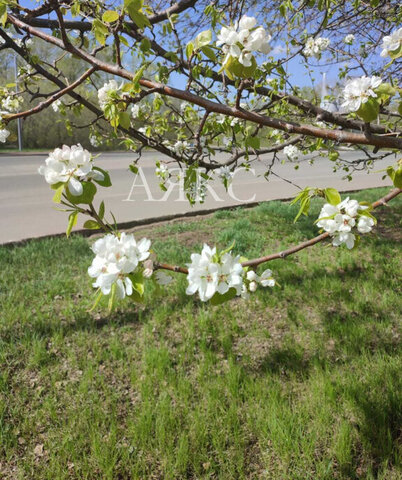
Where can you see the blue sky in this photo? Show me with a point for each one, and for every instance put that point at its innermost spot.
(296, 71)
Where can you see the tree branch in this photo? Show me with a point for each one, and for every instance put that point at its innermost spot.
(284, 253)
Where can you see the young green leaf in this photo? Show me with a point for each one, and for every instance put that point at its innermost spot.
(58, 193)
(332, 196)
(72, 221)
(110, 16)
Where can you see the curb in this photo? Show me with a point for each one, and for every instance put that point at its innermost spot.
(157, 220)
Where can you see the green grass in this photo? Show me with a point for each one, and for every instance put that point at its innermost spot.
(303, 382)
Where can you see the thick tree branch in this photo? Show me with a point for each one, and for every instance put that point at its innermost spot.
(42, 105)
(287, 126)
(284, 253)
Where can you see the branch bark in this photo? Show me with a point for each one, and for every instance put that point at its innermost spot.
(284, 253)
(289, 127)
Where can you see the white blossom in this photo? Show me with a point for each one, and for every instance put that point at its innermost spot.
(135, 110)
(349, 39)
(391, 43)
(339, 221)
(93, 140)
(365, 224)
(117, 257)
(266, 279)
(291, 152)
(69, 165)
(224, 173)
(315, 46)
(11, 103)
(162, 171)
(180, 147)
(253, 286)
(56, 105)
(252, 276)
(208, 275)
(106, 92)
(243, 39)
(247, 23)
(344, 237)
(358, 91)
(4, 135)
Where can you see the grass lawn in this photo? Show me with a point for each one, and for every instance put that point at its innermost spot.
(302, 382)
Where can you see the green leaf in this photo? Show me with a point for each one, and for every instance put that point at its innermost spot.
(304, 208)
(110, 16)
(385, 88)
(3, 14)
(100, 30)
(72, 221)
(202, 39)
(112, 297)
(332, 196)
(92, 225)
(369, 111)
(189, 50)
(106, 182)
(124, 119)
(253, 142)
(97, 300)
(396, 177)
(234, 68)
(137, 77)
(218, 299)
(58, 193)
(138, 286)
(208, 52)
(133, 8)
(89, 190)
(227, 250)
(101, 212)
(138, 282)
(333, 156)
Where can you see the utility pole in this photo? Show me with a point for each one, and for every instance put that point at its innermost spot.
(19, 125)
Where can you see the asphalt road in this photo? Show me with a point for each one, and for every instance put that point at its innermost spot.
(26, 208)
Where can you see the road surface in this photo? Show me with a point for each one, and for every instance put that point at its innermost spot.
(26, 208)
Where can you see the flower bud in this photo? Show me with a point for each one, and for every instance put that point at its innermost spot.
(253, 286)
(251, 276)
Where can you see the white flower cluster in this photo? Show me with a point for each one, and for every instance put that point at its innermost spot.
(70, 165)
(358, 90)
(135, 110)
(242, 39)
(105, 94)
(11, 102)
(180, 147)
(56, 105)
(94, 141)
(162, 171)
(116, 258)
(210, 273)
(253, 280)
(315, 46)
(338, 221)
(4, 135)
(291, 152)
(349, 39)
(391, 43)
(225, 174)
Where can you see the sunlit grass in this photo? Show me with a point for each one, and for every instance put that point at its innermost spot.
(303, 382)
